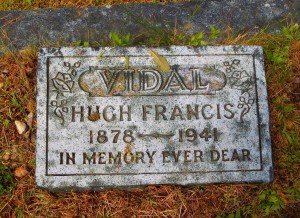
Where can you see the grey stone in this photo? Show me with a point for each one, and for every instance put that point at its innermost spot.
(67, 25)
(113, 117)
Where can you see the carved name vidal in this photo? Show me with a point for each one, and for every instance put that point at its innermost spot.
(107, 82)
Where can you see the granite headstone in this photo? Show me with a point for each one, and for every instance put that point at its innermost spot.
(121, 117)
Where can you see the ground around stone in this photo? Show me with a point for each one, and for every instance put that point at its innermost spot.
(19, 196)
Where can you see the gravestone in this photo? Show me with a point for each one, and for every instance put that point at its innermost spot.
(121, 117)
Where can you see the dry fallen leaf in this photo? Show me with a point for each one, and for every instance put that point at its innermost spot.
(21, 127)
(188, 26)
(126, 62)
(5, 71)
(100, 55)
(29, 119)
(6, 156)
(160, 61)
(1, 82)
(21, 172)
(33, 137)
(27, 134)
(31, 106)
(14, 153)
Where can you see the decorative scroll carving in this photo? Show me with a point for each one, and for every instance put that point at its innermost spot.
(63, 83)
(60, 109)
(240, 79)
(157, 135)
(245, 104)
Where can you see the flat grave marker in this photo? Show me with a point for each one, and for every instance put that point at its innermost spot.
(120, 117)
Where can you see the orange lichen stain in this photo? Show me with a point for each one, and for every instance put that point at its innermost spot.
(80, 52)
(128, 148)
(216, 85)
(94, 116)
(98, 92)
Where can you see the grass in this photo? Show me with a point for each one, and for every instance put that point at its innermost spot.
(6, 5)
(6, 179)
(281, 198)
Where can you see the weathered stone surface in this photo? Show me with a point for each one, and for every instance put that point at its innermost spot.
(117, 120)
(48, 26)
